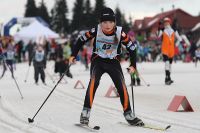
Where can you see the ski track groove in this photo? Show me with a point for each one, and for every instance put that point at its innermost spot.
(9, 122)
(13, 126)
(7, 127)
(23, 125)
(110, 111)
(171, 122)
(79, 102)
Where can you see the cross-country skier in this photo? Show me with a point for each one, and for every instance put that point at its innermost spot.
(39, 63)
(197, 55)
(168, 47)
(30, 49)
(106, 48)
(134, 74)
(8, 55)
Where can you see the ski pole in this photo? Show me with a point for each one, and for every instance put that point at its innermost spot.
(14, 80)
(13, 75)
(32, 120)
(27, 73)
(132, 96)
(147, 84)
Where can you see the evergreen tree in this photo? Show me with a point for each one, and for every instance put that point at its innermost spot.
(130, 22)
(88, 8)
(100, 4)
(31, 9)
(78, 16)
(88, 14)
(59, 21)
(43, 12)
(126, 26)
(121, 20)
(118, 16)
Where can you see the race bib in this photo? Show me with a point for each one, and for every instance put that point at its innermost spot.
(10, 55)
(106, 47)
(39, 56)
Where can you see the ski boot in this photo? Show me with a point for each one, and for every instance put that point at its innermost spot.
(132, 120)
(168, 81)
(44, 83)
(132, 82)
(85, 115)
(138, 81)
(69, 75)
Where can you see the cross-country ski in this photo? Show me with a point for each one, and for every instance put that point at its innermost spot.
(150, 126)
(88, 127)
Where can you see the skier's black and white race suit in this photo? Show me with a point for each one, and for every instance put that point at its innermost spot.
(106, 51)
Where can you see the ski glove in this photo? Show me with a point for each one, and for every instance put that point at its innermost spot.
(72, 60)
(131, 69)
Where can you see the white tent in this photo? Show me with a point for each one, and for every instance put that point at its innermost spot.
(34, 31)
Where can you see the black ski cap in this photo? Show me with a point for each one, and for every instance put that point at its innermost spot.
(107, 14)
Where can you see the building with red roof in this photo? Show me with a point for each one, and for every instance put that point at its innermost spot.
(181, 20)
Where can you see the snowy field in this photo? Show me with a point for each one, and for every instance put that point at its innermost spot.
(63, 108)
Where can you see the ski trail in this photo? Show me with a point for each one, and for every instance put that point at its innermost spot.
(114, 113)
(9, 119)
(6, 128)
(65, 96)
(172, 121)
(13, 119)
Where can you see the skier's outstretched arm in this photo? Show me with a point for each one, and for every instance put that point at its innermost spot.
(131, 48)
(80, 42)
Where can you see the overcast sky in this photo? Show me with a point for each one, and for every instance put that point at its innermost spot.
(135, 8)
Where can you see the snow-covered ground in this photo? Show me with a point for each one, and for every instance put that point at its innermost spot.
(63, 108)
